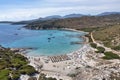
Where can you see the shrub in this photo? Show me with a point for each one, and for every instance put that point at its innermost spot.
(29, 70)
(110, 55)
(72, 75)
(14, 64)
(117, 48)
(15, 75)
(100, 49)
(43, 77)
(93, 45)
(4, 74)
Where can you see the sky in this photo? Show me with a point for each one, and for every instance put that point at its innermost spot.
(17, 10)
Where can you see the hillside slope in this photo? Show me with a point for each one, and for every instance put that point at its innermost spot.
(76, 23)
(109, 36)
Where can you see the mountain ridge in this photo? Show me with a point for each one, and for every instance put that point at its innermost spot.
(108, 13)
(55, 17)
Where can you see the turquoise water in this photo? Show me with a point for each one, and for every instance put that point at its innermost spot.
(43, 42)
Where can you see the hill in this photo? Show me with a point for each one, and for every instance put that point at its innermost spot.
(76, 23)
(52, 17)
(109, 36)
(73, 15)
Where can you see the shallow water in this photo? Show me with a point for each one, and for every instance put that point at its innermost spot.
(43, 42)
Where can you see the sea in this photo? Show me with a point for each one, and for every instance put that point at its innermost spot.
(40, 42)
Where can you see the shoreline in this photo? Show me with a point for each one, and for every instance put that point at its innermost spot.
(37, 61)
(24, 51)
(83, 36)
(69, 29)
(85, 41)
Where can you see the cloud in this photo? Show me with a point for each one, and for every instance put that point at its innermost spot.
(41, 8)
(25, 14)
(20, 14)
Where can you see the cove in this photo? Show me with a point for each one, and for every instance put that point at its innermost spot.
(42, 42)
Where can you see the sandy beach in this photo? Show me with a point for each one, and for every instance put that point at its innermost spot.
(61, 69)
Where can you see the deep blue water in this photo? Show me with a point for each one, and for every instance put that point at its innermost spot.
(44, 42)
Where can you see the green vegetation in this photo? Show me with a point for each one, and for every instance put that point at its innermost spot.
(12, 65)
(72, 75)
(116, 47)
(100, 50)
(93, 45)
(110, 55)
(27, 69)
(15, 74)
(89, 37)
(91, 29)
(4, 74)
(43, 77)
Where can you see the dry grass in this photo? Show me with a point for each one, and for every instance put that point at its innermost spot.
(110, 36)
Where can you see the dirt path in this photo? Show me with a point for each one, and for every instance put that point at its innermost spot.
(106, 48)
(93, 40)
